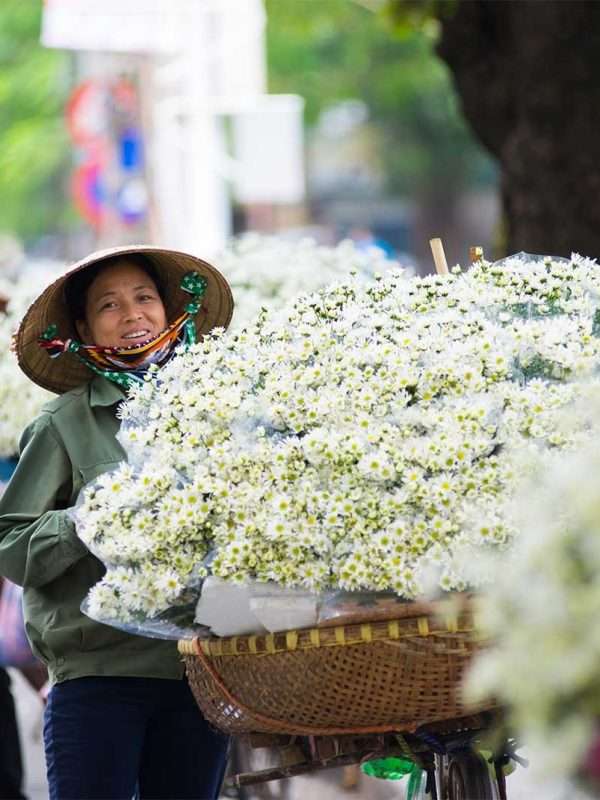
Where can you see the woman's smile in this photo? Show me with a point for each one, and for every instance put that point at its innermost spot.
(138, 336)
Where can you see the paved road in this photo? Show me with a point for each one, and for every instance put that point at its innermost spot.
(324, 786)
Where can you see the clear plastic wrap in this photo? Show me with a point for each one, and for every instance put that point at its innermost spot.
(346, 608)
(236, 609)
(174, 624)
(356, 443)
(175, 620)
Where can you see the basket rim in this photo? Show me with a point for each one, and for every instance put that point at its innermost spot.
(452, 623)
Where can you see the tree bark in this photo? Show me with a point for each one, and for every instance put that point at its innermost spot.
(528, 75)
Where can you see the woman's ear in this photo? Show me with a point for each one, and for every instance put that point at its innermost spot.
(83, 331)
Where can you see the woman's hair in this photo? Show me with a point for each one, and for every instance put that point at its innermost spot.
(76, 288)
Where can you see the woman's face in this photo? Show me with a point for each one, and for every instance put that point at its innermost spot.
(123, 308)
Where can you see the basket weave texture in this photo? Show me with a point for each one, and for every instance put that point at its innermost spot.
(393, 675)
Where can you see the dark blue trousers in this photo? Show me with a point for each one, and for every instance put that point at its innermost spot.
(116, 738)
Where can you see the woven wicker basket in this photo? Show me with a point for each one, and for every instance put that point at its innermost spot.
(392, 675)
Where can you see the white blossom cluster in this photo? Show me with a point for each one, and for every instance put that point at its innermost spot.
(542, 612)
(364, 437)
(268, 271)
(21, 400)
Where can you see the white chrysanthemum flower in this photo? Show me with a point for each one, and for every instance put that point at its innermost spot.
(268, 271)
(542, 609)
(365, 436)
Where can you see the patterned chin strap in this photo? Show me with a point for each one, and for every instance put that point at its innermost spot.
(126, 366)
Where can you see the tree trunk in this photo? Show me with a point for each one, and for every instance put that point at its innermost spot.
(528, 75)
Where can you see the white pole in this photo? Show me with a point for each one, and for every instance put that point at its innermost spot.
(221, 55)
(191, 195)
(207, 225)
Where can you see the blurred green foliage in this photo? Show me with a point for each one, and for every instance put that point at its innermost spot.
(326, 50)
(34, 152)
(417, 15)
(332, 50)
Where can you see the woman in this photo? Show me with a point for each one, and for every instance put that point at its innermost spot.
(120, 716)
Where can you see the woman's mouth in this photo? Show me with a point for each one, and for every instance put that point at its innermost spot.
(142, 333)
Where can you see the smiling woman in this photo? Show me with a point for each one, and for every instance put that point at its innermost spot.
(123, 307)
(116, 290)
(88, 337)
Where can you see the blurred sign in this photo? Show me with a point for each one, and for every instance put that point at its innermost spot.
(86, 113)
(89, 192)
(119, 25)
(268, 148)
(228, 34)
(108, 181)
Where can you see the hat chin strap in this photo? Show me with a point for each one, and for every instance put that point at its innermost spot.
(127, 366)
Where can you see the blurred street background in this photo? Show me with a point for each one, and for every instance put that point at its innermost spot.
(185, 123)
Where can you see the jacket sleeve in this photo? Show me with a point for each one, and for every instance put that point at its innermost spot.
(37, 539)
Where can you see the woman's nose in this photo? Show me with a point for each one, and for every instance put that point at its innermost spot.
(131, 312)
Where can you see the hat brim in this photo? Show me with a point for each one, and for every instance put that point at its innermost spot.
(66, 372)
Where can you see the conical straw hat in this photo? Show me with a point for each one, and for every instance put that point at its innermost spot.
(67, 371)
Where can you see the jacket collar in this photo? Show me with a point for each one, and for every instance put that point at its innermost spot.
(104, 393)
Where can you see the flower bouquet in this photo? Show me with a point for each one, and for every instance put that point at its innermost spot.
(542, 613)
(364, 438)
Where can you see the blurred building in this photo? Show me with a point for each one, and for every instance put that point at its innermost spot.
(171, 123)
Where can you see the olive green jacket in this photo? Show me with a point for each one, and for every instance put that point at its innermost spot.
(67, 446)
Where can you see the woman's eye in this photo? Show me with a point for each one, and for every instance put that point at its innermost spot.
(110, 304)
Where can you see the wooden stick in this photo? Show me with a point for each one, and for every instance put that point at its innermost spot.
(475, 253)
(279, 773)
(439, 257)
